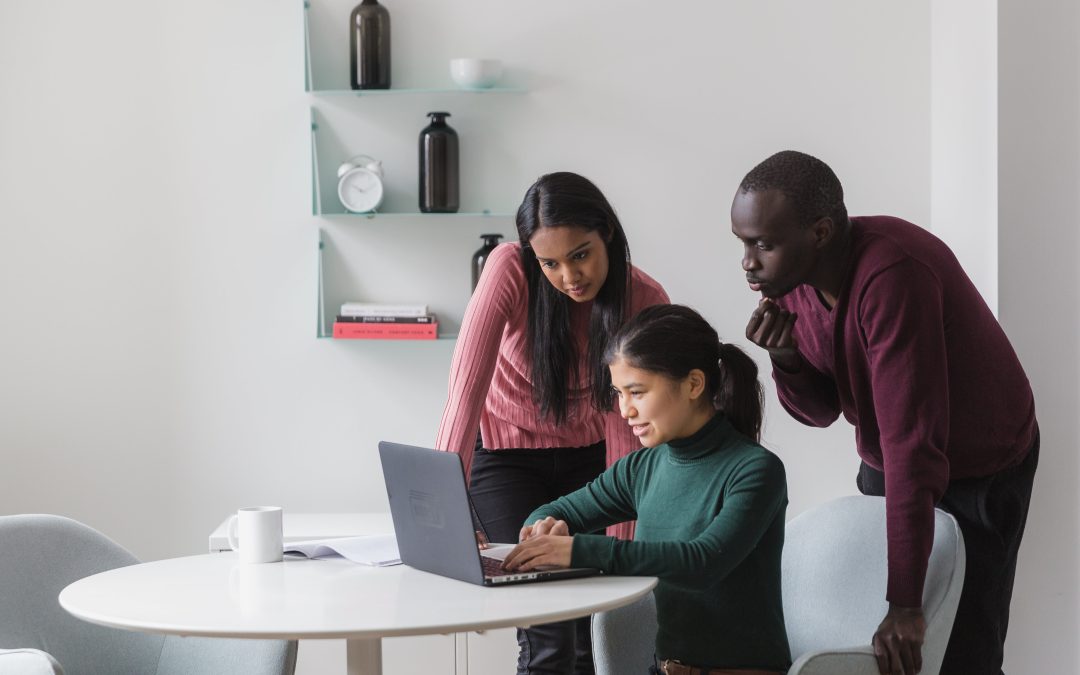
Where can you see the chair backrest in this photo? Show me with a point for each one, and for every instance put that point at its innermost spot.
(834, 575)
(39, 556)
(835, 568)
(222, 656)
(624, 639)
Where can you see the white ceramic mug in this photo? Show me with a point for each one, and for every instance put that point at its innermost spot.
(255, 532)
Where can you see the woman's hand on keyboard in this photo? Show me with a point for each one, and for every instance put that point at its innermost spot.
(539, 551)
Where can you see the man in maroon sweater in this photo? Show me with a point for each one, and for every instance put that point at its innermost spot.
(873, 317)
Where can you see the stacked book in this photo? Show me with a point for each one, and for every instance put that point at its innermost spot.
(377, 321)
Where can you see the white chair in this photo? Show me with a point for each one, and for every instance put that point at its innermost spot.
(39, 556)
(834, 575)
(28, 662)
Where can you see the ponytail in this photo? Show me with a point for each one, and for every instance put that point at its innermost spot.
(740, 395)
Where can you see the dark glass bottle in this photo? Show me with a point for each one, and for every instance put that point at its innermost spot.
(438, 166)
(481, 256)
(369, 46)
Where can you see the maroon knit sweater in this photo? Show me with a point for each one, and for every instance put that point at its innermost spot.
(913, 357)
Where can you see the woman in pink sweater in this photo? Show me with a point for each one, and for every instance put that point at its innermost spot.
(528, 372)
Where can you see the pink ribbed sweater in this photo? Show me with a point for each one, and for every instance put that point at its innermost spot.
(491, 381)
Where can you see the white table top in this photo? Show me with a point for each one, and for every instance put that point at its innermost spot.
(216, 595)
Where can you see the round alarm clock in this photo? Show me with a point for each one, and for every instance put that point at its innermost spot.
(360, 186)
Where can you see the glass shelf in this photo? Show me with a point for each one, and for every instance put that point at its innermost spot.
(417, 214)
(334, 134)
(310, 87)
(324, 199)
(438, 339)
(431, 90)
(324, 318)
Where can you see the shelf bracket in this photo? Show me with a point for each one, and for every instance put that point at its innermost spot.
(316, 195)
(320, 312)
(308, 84)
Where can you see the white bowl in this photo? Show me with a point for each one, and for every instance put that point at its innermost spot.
(475, 73)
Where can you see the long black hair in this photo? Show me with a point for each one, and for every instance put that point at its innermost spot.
(557, 200)
(673, 340)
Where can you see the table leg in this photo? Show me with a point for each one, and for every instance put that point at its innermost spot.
(363, 656)
(461, 654)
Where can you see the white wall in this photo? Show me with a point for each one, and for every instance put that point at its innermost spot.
(963, 136)
(157, 264)
(158, 256)
(1039, 173)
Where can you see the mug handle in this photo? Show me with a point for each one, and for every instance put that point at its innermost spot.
(230, 533)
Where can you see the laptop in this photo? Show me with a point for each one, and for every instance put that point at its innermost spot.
(434, 520)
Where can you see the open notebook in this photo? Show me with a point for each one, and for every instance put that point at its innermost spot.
(378, 550)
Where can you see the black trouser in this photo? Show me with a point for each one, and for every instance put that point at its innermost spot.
(506, 486)
(992, 512)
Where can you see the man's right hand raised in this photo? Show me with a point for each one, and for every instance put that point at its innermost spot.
(772, 328)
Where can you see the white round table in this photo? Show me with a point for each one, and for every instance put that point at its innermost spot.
(215, 595)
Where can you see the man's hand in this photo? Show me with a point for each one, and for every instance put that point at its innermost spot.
(772, 328)
(898, 641)
(546, 526)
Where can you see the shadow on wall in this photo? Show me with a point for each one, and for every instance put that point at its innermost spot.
(1047, 576)
(1039, 168)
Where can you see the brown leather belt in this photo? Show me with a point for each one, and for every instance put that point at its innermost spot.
(673, 667)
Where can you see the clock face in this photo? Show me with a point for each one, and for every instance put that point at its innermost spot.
(360, 190)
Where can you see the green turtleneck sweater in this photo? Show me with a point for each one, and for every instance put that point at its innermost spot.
(710, 524)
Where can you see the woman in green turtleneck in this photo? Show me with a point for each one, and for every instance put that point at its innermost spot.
(708, 500)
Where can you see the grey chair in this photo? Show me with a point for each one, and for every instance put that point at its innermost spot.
(39, 556)
(834, 574)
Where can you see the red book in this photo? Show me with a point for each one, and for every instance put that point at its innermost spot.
(385, 331)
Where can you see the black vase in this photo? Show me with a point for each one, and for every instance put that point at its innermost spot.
(369, 46)
(438, 166)
(481, 256)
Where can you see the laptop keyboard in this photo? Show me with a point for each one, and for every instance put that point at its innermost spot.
(493, 567)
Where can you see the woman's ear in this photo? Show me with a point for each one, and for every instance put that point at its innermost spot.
(695, 380)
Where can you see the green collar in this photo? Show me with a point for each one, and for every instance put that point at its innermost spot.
(713, 436)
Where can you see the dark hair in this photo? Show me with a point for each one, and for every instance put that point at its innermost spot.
(809, 184)
(567, 199)
(673, 340)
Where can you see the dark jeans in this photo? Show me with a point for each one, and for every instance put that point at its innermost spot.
(506, 486)
(992, 512)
